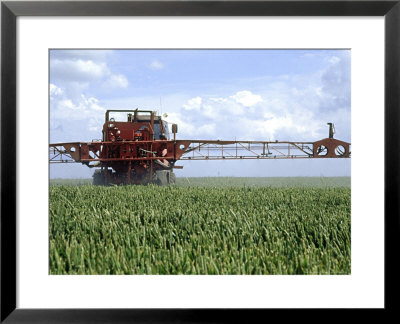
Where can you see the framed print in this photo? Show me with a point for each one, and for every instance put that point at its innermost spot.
(44, 90)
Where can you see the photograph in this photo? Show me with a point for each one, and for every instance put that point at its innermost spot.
(199, 161)
(195, 161)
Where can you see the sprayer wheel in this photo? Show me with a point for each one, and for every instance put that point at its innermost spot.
(98, 178)
(165, 178)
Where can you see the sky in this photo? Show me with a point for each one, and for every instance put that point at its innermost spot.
(211, 94)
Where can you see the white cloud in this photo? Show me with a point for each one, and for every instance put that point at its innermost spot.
(184, 128)
(272, 125)
(95, 125)
(334, 59)
(77, 70)
(156, 65)
(193, 104)
(189, 129)
(55, 91)
(91, 104)
(116, 81)
(74, 119)
(65, 105)
(246, 98)
(219, 100)
(76, 114)
(79, 108)
(209, 129)
(289, 112)
(223, 108)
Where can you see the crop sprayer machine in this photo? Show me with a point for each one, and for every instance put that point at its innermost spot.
(140, 150)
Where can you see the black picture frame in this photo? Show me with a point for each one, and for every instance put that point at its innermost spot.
(10, 10)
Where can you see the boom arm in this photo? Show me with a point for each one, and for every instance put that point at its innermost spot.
(195, 150)
(231, 150)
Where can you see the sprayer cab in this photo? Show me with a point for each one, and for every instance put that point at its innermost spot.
(135, 125)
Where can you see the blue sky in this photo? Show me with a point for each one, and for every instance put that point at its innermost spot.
(210, 94)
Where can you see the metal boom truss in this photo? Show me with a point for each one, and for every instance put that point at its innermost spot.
(198, 150)
(220, 150)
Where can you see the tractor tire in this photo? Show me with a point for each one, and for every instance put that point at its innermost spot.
(165, 178)
(172, 178)
(98, 178)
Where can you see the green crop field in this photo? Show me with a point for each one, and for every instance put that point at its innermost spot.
(316, 182)
(202, 226)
